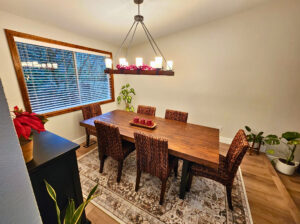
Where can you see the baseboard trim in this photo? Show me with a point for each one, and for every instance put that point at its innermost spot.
(79, 140)
(225, 140)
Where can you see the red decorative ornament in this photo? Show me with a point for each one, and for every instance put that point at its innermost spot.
(134, 67)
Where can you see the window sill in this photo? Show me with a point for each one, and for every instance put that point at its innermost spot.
(72, 109)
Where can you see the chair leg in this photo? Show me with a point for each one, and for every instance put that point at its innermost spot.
(102, 159)
(189, 183)
(176, 169)
(162, 192)
(120, 166)
(138, 178)
(228, 191)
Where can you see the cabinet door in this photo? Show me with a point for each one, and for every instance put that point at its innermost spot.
(62, 175)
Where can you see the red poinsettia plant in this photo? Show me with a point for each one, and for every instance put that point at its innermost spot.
(25, 122)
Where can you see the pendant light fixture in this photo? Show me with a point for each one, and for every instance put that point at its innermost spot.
(159, 66)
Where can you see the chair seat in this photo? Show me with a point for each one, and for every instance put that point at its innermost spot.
(220, 174)
(127, 147)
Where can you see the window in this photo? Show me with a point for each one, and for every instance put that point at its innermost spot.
(57, 77)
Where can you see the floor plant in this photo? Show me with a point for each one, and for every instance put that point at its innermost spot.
(291, 140)
(73, 215)
(255, 138)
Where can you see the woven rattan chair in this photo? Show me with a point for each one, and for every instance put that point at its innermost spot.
(153, 157)
(228, 165)
(89, 111)
(176, 115)
(147, 110)
(110, 144)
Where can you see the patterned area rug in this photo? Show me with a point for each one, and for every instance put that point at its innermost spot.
(205, 203)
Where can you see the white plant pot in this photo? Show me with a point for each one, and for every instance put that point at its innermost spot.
(285, 168)
(256, 144)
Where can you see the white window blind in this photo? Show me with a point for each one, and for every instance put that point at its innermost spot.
(57, 78)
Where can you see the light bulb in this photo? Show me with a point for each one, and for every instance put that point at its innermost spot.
(169, 65)
(158, 62)
(153, 64)
(139, 62)
(35, 64)
(122, 61)
(55, 65)
(108, 62)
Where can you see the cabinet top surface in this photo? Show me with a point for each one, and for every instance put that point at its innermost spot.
(47, 147)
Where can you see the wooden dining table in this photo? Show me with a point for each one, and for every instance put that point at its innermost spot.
(189, 142)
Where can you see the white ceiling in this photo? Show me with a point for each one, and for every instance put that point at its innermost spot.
(109, 20)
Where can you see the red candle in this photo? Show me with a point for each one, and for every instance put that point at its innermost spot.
(149, 123)
(142, 121)
(136, 120)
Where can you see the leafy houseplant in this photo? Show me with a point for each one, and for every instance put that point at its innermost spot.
(291, 140)
(25, 123)
(73, 215)
(126, 95)
(256, 139)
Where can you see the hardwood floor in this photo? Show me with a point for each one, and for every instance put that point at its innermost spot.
(292, 184)
(273, 198)
(96, 215)
(268, 198)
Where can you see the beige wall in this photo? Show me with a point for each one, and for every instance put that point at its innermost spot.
(66, 125)
(243, 69)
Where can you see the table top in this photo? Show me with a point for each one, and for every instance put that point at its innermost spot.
(47, 147)
(187, 141)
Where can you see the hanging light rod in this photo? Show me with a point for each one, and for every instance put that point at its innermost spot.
(156, 67)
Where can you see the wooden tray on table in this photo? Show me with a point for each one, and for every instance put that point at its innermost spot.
(143, 125)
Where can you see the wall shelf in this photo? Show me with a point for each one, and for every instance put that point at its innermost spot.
(139, 72)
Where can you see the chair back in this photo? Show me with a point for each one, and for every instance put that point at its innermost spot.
(147, 110)
(176, 115)
(109, 140)
(236, 152)
(152, 155)
(91, 110)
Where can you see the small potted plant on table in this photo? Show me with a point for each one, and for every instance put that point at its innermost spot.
(291, 140)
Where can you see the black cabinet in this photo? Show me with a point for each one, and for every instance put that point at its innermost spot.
(54, 161)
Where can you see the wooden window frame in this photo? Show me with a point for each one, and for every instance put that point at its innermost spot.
(10, 34)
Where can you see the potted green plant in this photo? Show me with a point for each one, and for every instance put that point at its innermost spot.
(291, 140)
(126, 95)
(72, 215)
(256, 139)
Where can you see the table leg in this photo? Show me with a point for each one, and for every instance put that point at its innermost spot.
(184, 178)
